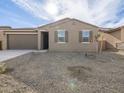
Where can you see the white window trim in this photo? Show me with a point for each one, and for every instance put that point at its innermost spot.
(61, 42)
(61, 30)
(86, 42)
(82, 36)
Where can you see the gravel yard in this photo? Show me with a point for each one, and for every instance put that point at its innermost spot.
(9, 85)
(69, 72)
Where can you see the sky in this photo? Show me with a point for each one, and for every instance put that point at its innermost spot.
(33, 13)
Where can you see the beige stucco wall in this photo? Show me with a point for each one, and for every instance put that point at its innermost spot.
(73, 44)
(122, 34)
(1, 33)
(1, 40)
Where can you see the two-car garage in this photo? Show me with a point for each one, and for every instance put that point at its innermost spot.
(25, 39)
(22, 41)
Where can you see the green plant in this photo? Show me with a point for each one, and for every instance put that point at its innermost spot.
(3, 68)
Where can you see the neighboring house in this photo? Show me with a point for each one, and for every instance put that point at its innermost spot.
(63, 35)
(114, 38)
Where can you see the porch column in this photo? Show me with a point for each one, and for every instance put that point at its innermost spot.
(39, 40)
(4, 41)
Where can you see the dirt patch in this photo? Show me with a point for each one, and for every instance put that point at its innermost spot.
(80, 72)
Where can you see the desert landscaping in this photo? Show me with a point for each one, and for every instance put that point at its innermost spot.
(62, 46)
(64, 73)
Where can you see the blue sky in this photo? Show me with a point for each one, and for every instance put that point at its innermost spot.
(12, 15)
(32, 13)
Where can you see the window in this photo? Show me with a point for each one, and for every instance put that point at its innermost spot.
(61, 35)
(85, 36)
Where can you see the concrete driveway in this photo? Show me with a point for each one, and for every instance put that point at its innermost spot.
(8, 54)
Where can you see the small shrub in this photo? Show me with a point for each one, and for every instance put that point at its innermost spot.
(3, 68)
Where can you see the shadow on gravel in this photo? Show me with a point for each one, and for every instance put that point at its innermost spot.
(80, 72)
(9, 70)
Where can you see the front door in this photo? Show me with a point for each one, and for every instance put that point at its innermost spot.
(45, 40)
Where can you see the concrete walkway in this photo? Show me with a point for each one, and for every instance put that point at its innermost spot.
(8, 54)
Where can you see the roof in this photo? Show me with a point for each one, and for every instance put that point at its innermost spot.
(56, 22)
(64, 21)
(8, 28)
(85, 22)
(4, 27)
(109, 30)
(23, 28)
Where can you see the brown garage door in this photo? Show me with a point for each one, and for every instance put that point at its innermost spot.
(17, 41)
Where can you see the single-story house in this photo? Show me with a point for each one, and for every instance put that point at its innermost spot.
(64, 35)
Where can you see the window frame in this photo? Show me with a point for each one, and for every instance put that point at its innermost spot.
(89, 31)
(61, 30)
